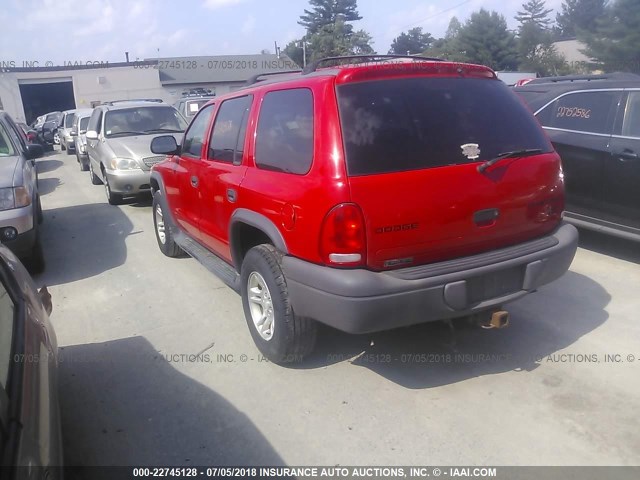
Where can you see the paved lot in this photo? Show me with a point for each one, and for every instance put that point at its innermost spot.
(127, 318)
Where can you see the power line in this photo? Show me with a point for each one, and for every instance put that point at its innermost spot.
(436, 14)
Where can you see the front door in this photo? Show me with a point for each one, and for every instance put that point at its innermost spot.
(184, 196)
(222, 172)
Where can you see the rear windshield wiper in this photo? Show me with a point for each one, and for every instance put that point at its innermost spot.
(514, 153)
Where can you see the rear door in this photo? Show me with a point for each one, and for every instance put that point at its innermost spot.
(621, 180)
(412, 148)
(580, 125)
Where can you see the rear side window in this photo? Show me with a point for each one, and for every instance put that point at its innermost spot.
(284, 140)
(588, 112)
(227, 137)
(416, 123)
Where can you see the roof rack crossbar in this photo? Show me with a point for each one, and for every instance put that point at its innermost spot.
(256, 78)
(312, 67)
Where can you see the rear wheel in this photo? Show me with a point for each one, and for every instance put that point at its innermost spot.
(164, 236)
(279, 334)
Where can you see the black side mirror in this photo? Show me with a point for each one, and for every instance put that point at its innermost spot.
(34, 151)
(165, 145)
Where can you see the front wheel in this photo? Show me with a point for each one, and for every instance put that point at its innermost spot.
(112, 198)
(56, 139)
(164, 236)
(92, 176)
(279, 334)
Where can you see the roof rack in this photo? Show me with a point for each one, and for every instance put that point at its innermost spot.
(312, 67)
(586, 78)
(256, 78)
(154, 100)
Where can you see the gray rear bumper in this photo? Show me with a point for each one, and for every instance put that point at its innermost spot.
(359, 301)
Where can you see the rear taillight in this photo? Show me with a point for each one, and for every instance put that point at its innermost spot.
(549, 209)
(343, 238)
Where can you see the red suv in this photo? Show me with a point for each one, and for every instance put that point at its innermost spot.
(365, 196)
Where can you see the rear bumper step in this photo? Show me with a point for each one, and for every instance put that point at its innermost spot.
(360, 301)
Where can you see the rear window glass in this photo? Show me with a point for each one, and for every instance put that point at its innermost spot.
(583, 112)
(416, 123)
(284, 140)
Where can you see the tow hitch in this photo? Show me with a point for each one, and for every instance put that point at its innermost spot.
(498, 319)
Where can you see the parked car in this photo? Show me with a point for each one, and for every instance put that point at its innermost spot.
(366, 197)
(64, 132)
(188, 107)
(20, 209)
(47, 131)
(79, 135)
(30, 416)
(594, 124)
(118, 139)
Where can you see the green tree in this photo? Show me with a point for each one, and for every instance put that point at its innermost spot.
(535, 41)
(578, 15)
(329, 32)
(485, 39)
(412, 42)
(327, 12)
(616, 39)
(534, 11)
(537, 52)
(447, 47)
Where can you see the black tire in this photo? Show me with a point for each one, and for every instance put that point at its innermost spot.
(69, 151)
(35, 263)
(293, 337)
(112, 198)
(169, 247)
(92, 176)
(62, 147)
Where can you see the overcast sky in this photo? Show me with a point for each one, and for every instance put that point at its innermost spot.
(102, 30)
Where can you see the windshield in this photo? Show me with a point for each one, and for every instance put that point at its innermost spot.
(416, 123)
(68, 120)
(83, 123)
(142, 120)
(6, 148)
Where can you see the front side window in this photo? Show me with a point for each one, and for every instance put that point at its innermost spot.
(227, 137)
(284, 140)
(84, 122)
(95, 120)
(631, 120)
(142, 121)
(194, 138)
(416, 123)
(588, 112)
